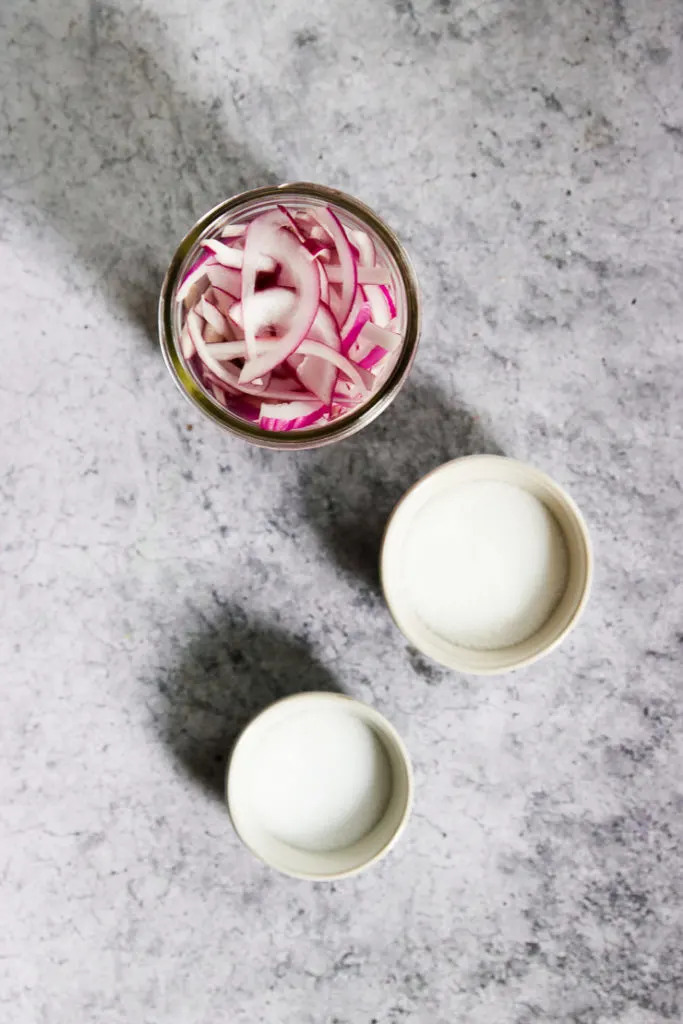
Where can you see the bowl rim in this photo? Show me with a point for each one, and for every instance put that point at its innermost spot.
(454, 661)
(370, 716)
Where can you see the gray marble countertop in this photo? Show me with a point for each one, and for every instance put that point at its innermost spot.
(161, 581)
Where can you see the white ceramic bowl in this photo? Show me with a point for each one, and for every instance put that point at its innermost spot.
(396, 584)
(248, 773)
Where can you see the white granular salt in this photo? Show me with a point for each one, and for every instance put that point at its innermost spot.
(322, 781)
(486, 564)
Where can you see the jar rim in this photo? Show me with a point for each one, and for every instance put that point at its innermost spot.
(309, 437)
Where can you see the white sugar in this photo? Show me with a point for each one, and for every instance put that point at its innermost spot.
(323, 780)
(486, 564)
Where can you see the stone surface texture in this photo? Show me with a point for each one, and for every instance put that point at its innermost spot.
(161, 581)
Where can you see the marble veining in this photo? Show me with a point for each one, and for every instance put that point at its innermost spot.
(160, 582)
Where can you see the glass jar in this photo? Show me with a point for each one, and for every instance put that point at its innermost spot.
(390, 253)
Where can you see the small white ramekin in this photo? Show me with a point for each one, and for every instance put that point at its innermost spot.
(396, 583)
(317, 865)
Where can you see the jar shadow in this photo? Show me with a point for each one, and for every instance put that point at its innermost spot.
(134, 157)
(349, 490)
(227, 673)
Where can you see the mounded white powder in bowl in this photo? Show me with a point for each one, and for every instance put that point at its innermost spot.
(322, 780)
(485, 564)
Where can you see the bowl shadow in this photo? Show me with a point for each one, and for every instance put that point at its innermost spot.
(349, 490)
(232, 669)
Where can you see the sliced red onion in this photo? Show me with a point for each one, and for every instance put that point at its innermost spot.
(390, 302)
(321, 249)
(224, 303)
(280, 391)
(367, 254)
(376, 355)
(230, 350)
(233, 230)
(210, 336)
(219, 395)
(289, 385)
(213, 316)
(317, 374)
(194, 275)
(354, 312)
(362, 316)
(380, 310)
(225, 278)
(324, 285)
(365, 275)
(227, 351)
(306, 222)
(286, 249)
(225, 254)
(186, 344)
(347, 264)
(292, 224)
(273, 307)
(260, 239)
(220, 373)
(230, 256)
(194, 326)
(290, 416)
(382, 336)
(324, 328)
(285, 280)
(372, 345)
(316, 348)
(284, 318)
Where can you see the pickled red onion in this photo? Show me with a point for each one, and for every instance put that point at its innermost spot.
(288, 319)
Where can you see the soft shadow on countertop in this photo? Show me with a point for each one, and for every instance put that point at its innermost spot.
(97, 139)
(349, 489)
(230, 670)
